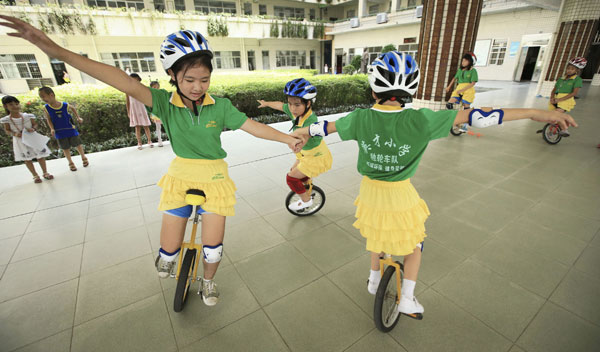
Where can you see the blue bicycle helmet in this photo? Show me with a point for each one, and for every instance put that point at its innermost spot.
(394, 71)
(301, 88)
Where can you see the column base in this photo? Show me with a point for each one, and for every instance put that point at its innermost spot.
(546, 89)
(596, 80)
(429, 104)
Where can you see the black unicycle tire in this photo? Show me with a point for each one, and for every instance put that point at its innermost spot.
(550, 140)
(184, 280)
(378, 314)
(455, 132)
(316, 191)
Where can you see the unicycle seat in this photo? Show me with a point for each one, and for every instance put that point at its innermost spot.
(195, 197)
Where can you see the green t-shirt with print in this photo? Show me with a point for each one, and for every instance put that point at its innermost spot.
(567, 85)
(391, 143)
(196, 137)
(466, 76)
(312, 118)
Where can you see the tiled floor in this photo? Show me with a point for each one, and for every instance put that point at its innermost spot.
(511, 262)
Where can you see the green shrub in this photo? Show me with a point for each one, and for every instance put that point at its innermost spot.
(356, 63)
(348, 69)
(388, 48)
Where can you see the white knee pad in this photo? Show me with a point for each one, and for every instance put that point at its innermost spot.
(213, 254)
(479, 118)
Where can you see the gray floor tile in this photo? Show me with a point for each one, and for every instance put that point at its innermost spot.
(36, 273)
(542, 240)
(45, 241)
(346, 225)
(453, 233)
(100, 226)
(437, 261)
(325, 319)
(7, 248)
(251, 237)
(243, 213)
(524, 189)
(251, 333)
(60, 342)
(75, 211)
(198, 320)
(32, 317)
(338, 205)
(329, 247)
(502, 198)
(466, 188)
(555, 329)
(516, 348)
(290, 226)
(567, 223)
(14, 226)
(500, 304)
(578, 293)
(142, 326)
(523, 267)
(439, 199)
(276, 272)
(376, 341)
(115, 287)
(446, 327)
(589, 261)
(267, 201)
(491, 217)
(585, 207)
(478, 175)
(114, 249)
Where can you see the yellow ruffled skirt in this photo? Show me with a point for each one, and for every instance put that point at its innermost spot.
(566, 105)
(467, 96)
(391, 216)
(210, 176)
(315, 161)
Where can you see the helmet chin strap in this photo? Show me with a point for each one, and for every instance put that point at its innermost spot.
(194, 102)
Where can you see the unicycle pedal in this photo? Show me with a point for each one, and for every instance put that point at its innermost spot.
(416, 316)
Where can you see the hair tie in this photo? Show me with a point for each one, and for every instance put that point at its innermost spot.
(393, 98)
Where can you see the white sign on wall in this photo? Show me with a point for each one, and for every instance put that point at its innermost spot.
(482, 51)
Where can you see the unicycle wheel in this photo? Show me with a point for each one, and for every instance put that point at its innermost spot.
(318, 198)
(551, 133)
(386, 313)
(185, 280)
(455, 131)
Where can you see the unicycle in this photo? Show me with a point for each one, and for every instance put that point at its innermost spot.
(387, 298)
(188, 260)
(317, 195)
(552, 133)
(456, 129)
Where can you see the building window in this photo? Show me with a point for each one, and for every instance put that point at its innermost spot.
(228, 59)
(498, 52)
(19, 66)
(410, 49)
(373, 10)
(411, 3)
(351, 14)
(159, 5)
(135, 62)
(248, 8)
(38, 2)
(350, 56)
(136, 4)
(262, 10)
(180, 5)
(287, 58)
(212, 6)
(312, 59)
(66, 3)
(374, 51)
(311, 14)
(289, 12)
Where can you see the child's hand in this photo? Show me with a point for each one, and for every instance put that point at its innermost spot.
(80, 120)
(28, 32)
(564, 120)
(262, 104)
(296, 144)
(448, 89)
(52, 132)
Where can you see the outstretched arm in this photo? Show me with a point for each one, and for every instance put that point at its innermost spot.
(263, 131)
(562, 119)
(277, 105)
(105, 73)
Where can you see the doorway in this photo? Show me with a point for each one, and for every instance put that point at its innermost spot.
(528, 60)
(265, 60)
(59, 69)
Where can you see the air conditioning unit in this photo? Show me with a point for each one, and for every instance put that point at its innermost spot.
(382, 17)
(354, 22)
(419, 13)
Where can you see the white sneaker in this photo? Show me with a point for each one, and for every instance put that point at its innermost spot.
(299, 205)
(372, 287)
(210, 295)
(463, 129)
(410, 305)
(160, 144)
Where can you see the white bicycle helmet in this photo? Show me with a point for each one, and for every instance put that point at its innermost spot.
(180, 44)
(578, 62)
(394, 71)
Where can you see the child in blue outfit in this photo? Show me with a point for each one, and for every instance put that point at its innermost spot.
(60, 120)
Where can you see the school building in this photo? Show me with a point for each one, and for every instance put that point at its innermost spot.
(511, 43)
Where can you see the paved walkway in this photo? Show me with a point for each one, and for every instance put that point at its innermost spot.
(511, 261)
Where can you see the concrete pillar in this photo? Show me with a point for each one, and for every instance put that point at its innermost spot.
(362, 8)
(596, 79)
(448, 30)
(394, 7)
(577, 24)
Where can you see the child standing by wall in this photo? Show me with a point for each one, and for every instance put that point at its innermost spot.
(390, 213)
(156, 119)
(60, 121)
(466, 78)
(566, 88)
(15, 123)
(193, 120)
(138, 116)
(315, 157)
